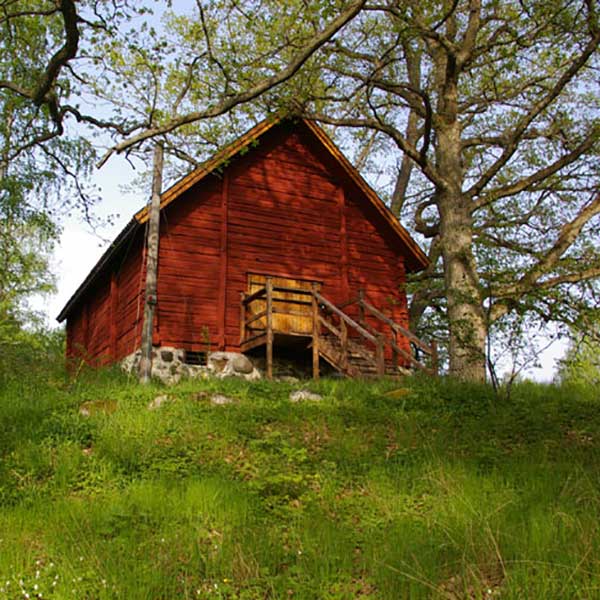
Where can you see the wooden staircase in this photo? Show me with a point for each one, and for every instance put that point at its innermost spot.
(355, 349)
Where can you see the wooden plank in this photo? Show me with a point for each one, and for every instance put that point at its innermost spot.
(255, 295)
(405, 332)
(256, 317)
(253, 343)
(348, 320)
(269, 287)
(242, 317)
(289, 313)
(315, 333)
(292, 290)
(223, 261)
(330, 326)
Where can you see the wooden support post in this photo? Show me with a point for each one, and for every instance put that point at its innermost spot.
(361, 307)
(380, 355)
(242, 318)
(435, 367)
(315, 333)
(344, 343)
(151, 267)
(269, 286)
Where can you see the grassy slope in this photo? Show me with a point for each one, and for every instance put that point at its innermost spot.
(439, 492)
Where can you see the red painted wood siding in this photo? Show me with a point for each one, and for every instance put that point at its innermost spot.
(286, 210)
(283, 220)
(188, 268)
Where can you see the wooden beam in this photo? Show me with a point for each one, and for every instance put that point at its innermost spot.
(222, 301)
(380, 354)
(242, 317)
(269, 287)
(315, 333)
(346, 318)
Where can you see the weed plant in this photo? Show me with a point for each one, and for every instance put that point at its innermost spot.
(382, 490)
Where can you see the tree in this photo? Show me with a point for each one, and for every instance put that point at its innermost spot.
(581, 365)
(493, 112)
(491, 109)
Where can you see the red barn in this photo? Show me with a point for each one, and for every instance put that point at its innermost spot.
(276, 240)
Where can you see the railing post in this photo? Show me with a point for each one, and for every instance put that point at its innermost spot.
(435, 367)
(380, 355)
(361, 306)
(344, 343)
(315, 333)
(269, 286)
(242, 318)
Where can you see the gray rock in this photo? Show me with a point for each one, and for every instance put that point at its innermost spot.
(242, 364)
(158, 402)
(93, 407)
(220, 400)
(302, 395)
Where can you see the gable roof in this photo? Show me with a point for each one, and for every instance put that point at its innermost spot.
(416, 258)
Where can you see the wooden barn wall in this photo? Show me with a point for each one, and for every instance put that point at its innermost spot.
(283, 219)
(129, 274)
(374, 265)
(188, 268)
(76, 334)
(105, 325)
(284, 208)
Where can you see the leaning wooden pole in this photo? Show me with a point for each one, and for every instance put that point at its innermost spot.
(151, 266)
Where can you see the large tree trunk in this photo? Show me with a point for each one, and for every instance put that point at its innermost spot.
(466, 316)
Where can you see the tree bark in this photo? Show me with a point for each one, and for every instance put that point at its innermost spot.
(151, 267)
(466, 316)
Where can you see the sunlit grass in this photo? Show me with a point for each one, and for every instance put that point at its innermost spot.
(441, 490)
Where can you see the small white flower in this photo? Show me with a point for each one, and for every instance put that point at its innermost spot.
(37, 574)
(35, 587)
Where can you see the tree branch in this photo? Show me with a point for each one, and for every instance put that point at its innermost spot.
(255, 91)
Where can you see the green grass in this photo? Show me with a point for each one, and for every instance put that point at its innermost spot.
(437, 491)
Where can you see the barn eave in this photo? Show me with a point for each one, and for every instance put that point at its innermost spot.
(111, 252)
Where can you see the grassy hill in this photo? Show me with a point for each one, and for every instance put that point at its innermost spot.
(381, 490)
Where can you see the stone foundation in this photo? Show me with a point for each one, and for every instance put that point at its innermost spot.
(170, 366)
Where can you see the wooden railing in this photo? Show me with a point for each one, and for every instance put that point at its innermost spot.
(345, 322)
(396, 330)
(325, 315)
(254, 336)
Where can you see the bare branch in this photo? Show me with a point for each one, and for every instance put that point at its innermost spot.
(253, 92)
